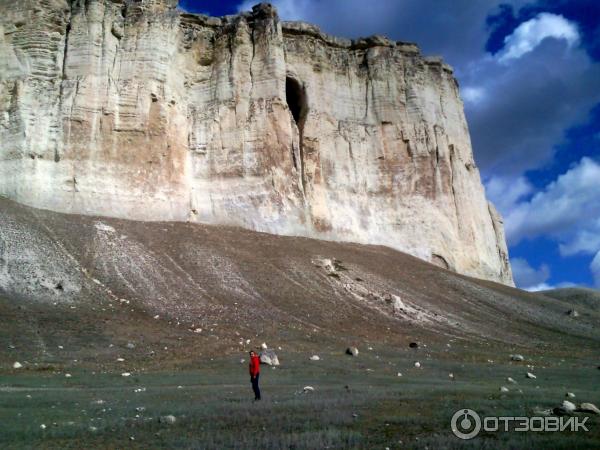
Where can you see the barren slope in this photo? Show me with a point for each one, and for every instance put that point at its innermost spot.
(112, 277)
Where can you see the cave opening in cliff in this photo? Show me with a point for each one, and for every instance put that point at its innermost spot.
(295, 96)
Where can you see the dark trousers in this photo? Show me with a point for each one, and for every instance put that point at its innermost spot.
(255, 388)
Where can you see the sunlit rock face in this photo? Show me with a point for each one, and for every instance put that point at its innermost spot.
(134, 109)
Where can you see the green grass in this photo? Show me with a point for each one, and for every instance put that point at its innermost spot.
(357, 403)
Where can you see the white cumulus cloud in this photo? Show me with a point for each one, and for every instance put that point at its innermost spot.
(564, 208)
(529, 278)
(473, 94)
(586, 241)
(528, 35)
(507, 192)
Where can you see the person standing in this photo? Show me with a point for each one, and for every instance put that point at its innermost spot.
(255, 373)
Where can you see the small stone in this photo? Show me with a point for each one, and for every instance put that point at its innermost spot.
(308, 389)
(418, 365)
(503, 389)
(530, 375)
(511, 380)
(17, 365)
(517, 357)
(120, 359)
(263, 346)
(43, 426)
(399, 374)
(570, 395)
(67, 375)
(93, 429)
(126, 374)
(315, 358)
(170, 419)
(130, 345)
(537, 411)
(451, 376)
(156, 316)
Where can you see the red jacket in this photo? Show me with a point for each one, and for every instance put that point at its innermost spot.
(254, 366)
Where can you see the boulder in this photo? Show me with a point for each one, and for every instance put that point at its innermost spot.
(17, 365)
(530, 375)
(269, 357)
(517, 357)
(503, 389)
(315, 358)
(352, 351)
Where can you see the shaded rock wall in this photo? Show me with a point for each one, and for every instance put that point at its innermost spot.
(133, 109)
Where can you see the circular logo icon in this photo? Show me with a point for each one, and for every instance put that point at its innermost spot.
(466, 424)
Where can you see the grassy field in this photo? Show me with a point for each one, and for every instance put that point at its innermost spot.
(181, 304)
(357, 403)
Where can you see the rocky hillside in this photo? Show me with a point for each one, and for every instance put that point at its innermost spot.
(121, 277)
(133, 109)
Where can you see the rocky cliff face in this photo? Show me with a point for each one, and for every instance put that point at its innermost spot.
(131, 108)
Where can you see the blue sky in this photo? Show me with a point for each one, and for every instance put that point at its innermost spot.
(529, 73)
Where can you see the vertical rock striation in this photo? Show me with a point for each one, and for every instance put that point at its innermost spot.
(133, 109)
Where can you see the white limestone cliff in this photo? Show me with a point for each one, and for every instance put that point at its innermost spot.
(134, 109)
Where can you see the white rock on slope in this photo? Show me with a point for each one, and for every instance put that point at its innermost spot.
(243, 120)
